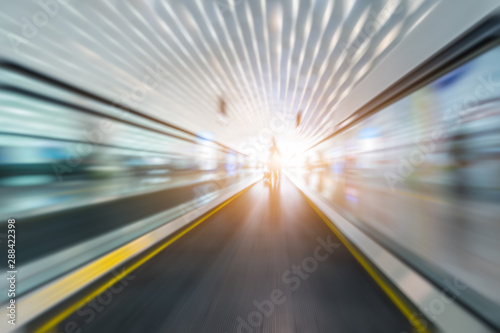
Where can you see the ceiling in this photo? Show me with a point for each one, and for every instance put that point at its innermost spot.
(176, 60)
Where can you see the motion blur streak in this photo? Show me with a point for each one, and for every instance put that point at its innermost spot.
(180, 165)
(431, 160)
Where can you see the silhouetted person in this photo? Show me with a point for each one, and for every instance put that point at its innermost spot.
(298, 119)
(222, 106)
(274, 162)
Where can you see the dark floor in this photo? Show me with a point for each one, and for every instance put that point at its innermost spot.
(211, 279)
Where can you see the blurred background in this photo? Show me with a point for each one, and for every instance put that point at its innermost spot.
(422, 176)
(118, 118)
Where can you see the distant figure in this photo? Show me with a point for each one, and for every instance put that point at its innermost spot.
(222, 116)
(274, 162)
(222, 106)
(299, 118)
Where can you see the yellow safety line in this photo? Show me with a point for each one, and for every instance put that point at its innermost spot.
(391, 294)
(50, 326)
